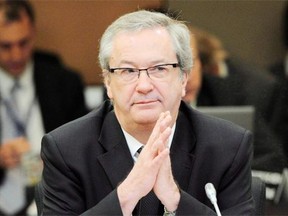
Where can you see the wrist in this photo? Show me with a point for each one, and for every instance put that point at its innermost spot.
(171, 204)
(127, 199)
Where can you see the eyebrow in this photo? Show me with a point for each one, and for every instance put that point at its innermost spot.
(155, 62)
(19, 42)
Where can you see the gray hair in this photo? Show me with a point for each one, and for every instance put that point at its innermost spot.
(143, 19)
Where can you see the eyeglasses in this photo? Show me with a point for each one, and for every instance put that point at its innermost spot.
(157, 72)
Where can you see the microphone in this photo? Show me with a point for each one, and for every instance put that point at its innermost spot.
(211, 194)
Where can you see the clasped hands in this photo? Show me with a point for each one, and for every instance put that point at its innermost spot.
(152, 171)
(11, 152)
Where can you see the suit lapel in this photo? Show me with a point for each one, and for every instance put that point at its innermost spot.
(117, 161)
(182, 147)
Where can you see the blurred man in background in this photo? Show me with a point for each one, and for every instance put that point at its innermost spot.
(280, 71)
(194, 82)
(37, 94)
(222, 81)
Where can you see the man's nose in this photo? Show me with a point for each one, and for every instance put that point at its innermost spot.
(16, 53)
(144, 83)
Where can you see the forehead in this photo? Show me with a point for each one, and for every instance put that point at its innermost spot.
(15, 30)
(143, 47)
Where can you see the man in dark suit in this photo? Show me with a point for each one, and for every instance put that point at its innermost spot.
(247, 85)
(95, 166)
(280, 71)
(220, 81)
(49, 95)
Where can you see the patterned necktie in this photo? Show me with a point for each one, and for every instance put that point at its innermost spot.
(148, 205)
(14, 109)
(13, 93)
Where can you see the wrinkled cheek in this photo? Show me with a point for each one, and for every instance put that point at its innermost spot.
(122, 99)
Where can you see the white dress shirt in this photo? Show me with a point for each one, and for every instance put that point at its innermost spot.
(12, 189)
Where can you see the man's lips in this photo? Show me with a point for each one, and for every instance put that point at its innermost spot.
(15, 66)
(145, 102)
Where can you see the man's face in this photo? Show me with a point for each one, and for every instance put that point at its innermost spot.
(194, 82)
(16, 44)
(141, 102)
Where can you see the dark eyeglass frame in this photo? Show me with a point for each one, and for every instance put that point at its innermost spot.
(174, 65)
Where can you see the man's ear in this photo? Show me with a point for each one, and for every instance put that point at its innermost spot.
(184, 83)
(107, 82)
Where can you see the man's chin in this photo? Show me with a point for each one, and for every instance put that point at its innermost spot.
(15, 71)
(147, 117)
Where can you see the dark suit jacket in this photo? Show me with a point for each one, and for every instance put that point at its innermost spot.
(244, 85)
(247, 85)
(86, 159)
(59, 91)
(278, 70)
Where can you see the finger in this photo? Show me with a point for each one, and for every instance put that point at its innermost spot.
(162, 141)
(162, 123)
(160, 158)
(165, 131)
(165, 135)
(160, 132)
(10, 162)
(21, 145)
(156, 129)
(166, 122)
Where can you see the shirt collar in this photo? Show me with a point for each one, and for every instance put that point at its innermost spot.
(7, 81)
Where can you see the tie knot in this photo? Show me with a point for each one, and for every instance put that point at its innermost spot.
(14, 95)
(140, 149)
(138, 152)
(16, 86)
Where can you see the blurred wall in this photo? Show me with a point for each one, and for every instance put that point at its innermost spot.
(250, 30)
(73, 28)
